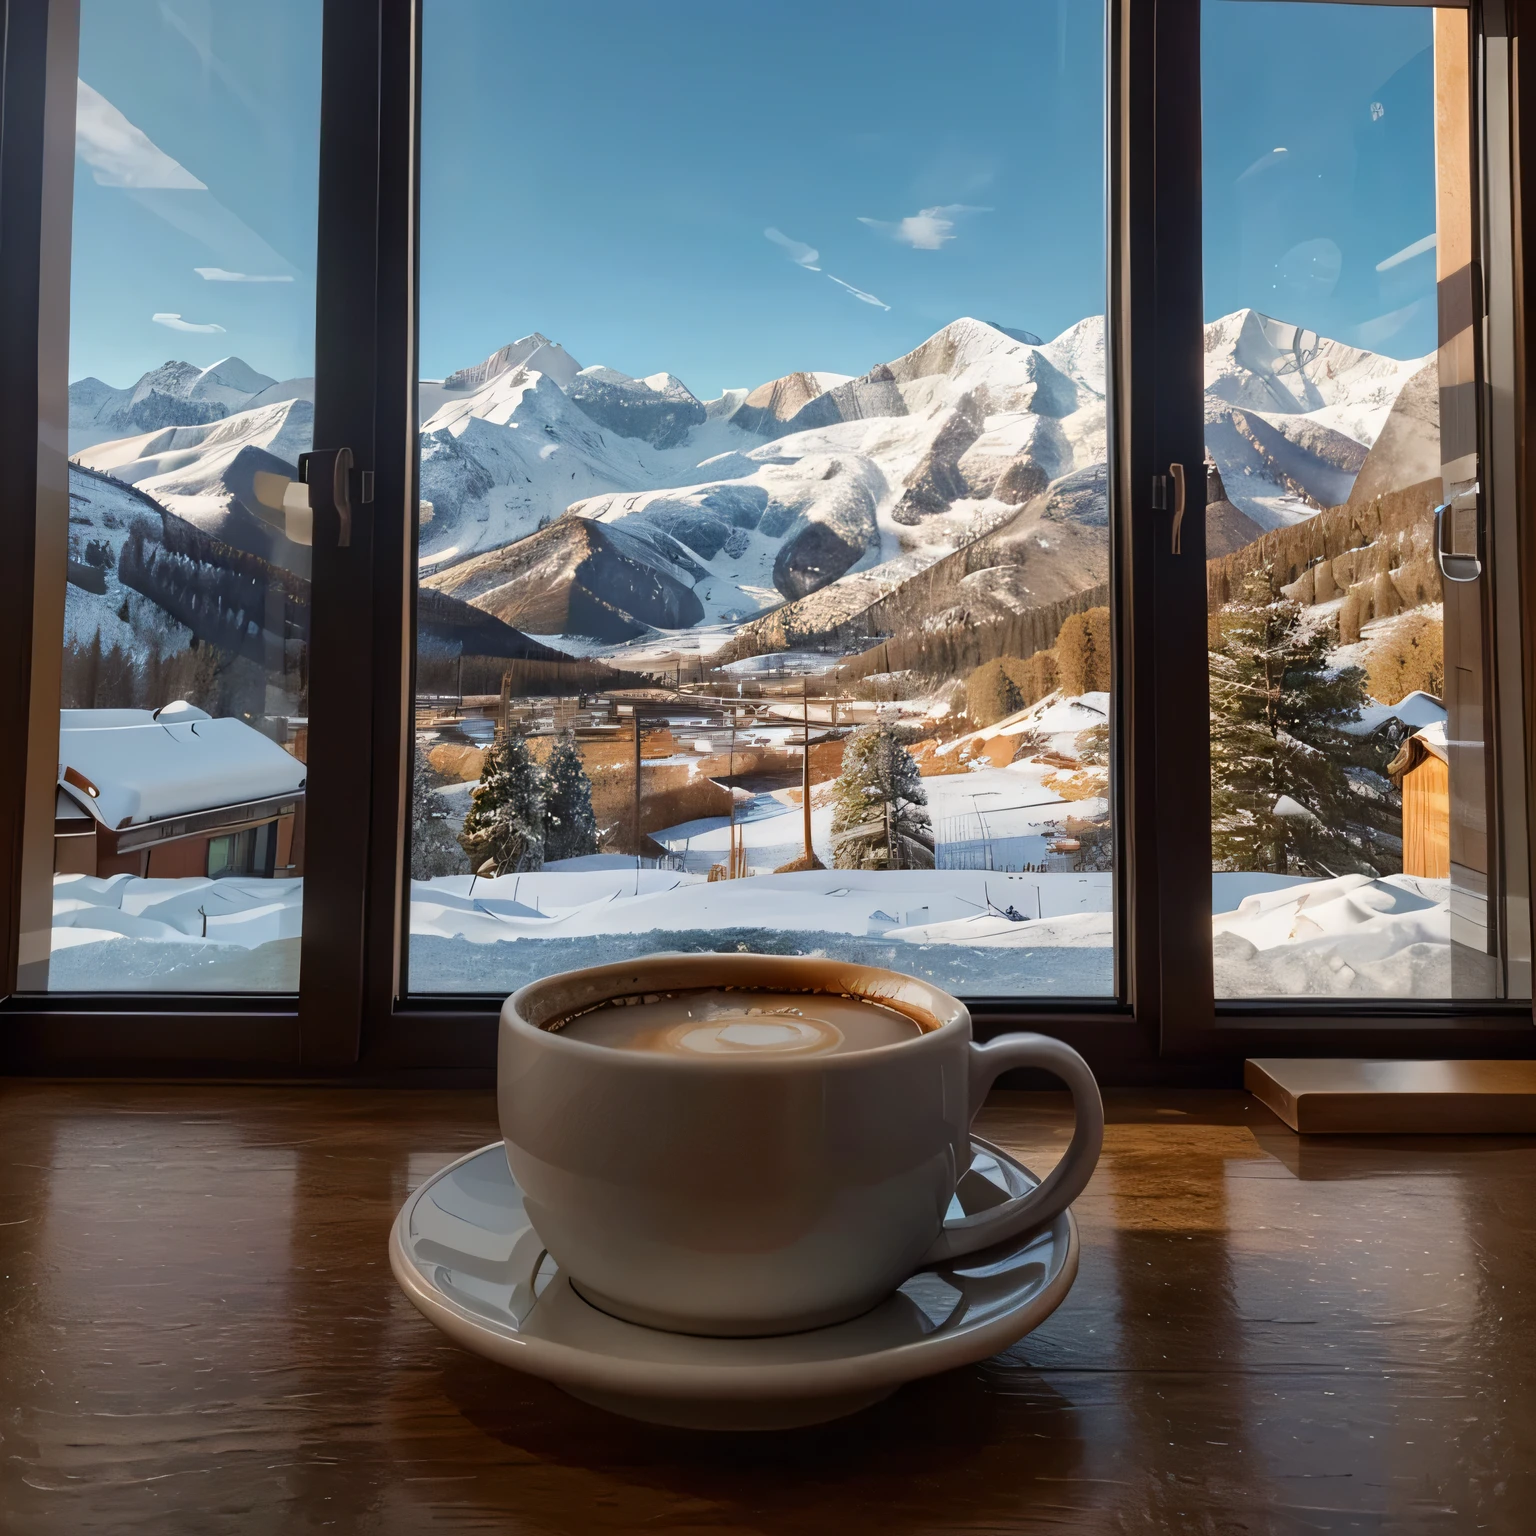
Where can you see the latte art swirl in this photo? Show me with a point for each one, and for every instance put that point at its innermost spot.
(756, 1031)
(725, 1025)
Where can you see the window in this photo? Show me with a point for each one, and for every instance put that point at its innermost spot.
(250, 851)
(764, 547)
(183, 676)
(1352, 671)
(1026, 494)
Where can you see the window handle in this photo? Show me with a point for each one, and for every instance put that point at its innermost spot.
(1176, 471)
(327, 481)
(332, 479)
(1459, 565)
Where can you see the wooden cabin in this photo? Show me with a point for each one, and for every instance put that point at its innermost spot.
(174, 793)
(1421, 770)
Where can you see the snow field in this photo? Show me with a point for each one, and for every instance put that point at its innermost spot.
(1347, 937)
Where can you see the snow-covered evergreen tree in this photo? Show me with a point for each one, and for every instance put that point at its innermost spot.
(504, 830)
(434, 850)
(570, 828)
(878, 820)
(1281, 799)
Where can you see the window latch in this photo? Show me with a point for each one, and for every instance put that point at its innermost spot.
(333, 483)
(1168, 496)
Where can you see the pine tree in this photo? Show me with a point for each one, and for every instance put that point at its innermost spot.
(505, 825)
(570, 828)
(434, 850)
(1083, 653)
(1038, 676)
(1411, 655)
(90, 674)
(991, 694)
(118, 679)
(878, 821)
(1281, 799)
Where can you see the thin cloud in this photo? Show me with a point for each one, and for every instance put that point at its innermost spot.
(799, 252)
(928, 228)
(119, 154)
(205, 219)
(1408, 252)
(219, 275)
(210, 61)
(807, 256)
(123, 156)
(859, 293)
(176, 323)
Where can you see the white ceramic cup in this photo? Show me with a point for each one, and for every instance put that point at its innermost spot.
(731, 1196)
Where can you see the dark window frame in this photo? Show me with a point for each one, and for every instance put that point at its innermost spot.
(352, 1019)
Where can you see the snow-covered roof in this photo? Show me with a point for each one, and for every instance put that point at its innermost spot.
(144, 769)
(179, 709)
(1430, 742)
(1416, 710)
(1433, 738)
(75, 719)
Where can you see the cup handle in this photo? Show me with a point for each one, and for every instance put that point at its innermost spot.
(1066, 1180)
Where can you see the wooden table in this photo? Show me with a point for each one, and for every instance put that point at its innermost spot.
(199, 1333)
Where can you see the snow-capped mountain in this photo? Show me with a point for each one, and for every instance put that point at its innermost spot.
(172, 395)
(756, 497)
(659, 409)
(1290, 415)
(208, 474)
(575, 500)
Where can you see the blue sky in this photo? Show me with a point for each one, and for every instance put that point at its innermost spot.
(212, 92)
(616, 197)
(609, 174)
(1319, 167)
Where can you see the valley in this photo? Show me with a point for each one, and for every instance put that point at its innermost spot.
(926, 543)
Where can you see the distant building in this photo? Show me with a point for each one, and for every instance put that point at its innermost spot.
(1413, 712)
(172, 793)
(1421, 770)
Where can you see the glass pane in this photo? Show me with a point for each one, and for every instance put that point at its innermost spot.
(179, 833)
(1347, 674)
(764, 539)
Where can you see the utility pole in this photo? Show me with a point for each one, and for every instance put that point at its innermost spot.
(636, 707)
(730, 857)
(805, 764)
(893, 859)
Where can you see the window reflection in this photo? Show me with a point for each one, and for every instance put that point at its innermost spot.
(1346, 670)
(179, 820)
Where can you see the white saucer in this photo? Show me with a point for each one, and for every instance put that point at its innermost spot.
(464, 1253)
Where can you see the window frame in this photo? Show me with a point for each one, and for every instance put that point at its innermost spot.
(1435, 1027)
(353, 1019)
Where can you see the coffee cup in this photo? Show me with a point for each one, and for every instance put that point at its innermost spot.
(695, 1161)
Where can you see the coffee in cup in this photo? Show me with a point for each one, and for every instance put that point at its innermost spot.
(740, 1025)
(755, 1144)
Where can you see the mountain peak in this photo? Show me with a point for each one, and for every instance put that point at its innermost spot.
(1027, 337)
(956, 347)
(661, 409)
(237, 374)
(535, 351)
